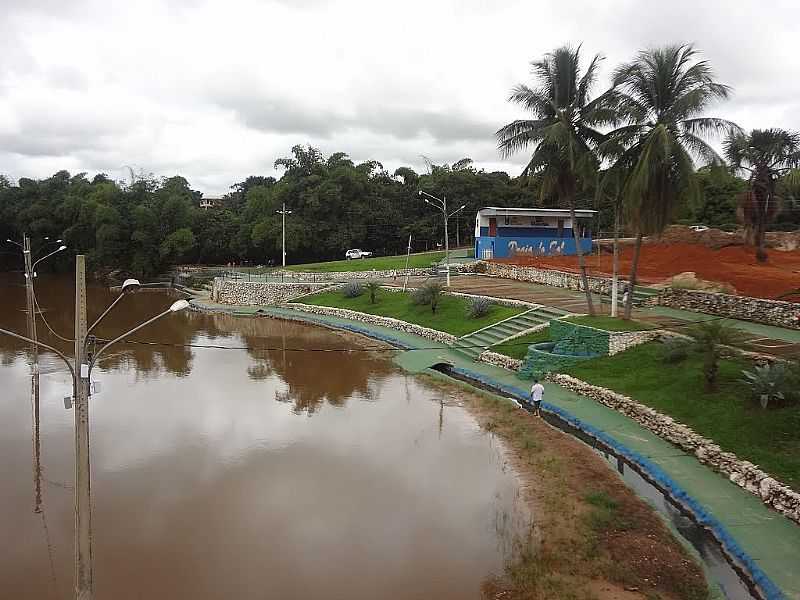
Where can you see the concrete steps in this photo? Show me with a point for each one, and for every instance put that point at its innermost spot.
(640, 295)
(474, 343)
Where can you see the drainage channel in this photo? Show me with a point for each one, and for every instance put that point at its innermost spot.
(731, 577)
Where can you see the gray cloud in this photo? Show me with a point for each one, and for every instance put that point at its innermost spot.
(217, 94)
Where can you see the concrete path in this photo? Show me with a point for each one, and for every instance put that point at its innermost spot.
(763, 538)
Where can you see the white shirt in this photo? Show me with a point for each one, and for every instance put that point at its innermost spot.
(536, 392)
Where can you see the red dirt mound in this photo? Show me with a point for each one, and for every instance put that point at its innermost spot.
(735, 265)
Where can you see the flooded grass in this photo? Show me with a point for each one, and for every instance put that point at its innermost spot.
(598, 544)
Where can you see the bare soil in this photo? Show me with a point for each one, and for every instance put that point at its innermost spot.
(593, 538)
(734, 265)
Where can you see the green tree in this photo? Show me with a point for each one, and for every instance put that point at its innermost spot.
(719, 191)
(765, 154)
(710, 336)
(563, 131)
(661, 98)
(177, 245)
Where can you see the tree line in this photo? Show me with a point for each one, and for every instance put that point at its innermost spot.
(638, 152)
(146, 225)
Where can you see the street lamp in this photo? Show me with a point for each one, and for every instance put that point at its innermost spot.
(283, 214)
(80, 370)
(59, 249)
(441, 204)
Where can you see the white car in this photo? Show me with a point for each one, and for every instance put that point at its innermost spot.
(356, 253)
(698, 228)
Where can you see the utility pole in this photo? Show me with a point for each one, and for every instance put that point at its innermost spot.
(31, 305)
(283, 214)
(84, 584)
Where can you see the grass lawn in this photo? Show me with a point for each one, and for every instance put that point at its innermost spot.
(451, 314)
(610, 323)
(768, 438)
(379, 263)
(518, 347)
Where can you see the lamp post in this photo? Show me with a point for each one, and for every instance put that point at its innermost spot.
(283, 214)
(441, 204)
(80, 369)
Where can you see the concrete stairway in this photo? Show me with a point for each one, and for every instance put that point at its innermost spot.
(641, 295)
(474, 343)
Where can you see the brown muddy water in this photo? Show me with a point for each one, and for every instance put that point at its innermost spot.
(244, 473)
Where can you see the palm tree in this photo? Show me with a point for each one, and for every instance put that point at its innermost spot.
(766, 154)
(563, 131)
(661, 97)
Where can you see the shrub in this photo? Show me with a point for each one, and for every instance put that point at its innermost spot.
(429, 293)
(372, 288)
(675, 350)
(768, 383)
(435, 291)
(709, 337)
(352, 290)
(420, 296)
(478, 307)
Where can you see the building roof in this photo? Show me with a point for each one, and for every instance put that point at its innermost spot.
(581, 213)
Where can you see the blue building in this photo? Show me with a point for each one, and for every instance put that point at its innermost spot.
(510, 232)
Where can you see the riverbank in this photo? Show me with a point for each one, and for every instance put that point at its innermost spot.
(759, 541)
(592, 536)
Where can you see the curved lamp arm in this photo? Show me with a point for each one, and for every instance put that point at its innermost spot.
(46, 347)
(177, 306)
(105, 312)
(47, 256)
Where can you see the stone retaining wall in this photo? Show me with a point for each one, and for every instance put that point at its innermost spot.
(500, 360)
(561, 279)
(352, 275)
(225, 291)
(430, 334)
(619, 341)
(743, 473)
(770, 312)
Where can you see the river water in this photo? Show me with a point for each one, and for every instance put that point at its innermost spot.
(254, 472)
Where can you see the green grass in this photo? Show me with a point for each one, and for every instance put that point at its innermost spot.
(450, 316)
(610, 323)
(769, 438)
(518, 347)
(379, 263)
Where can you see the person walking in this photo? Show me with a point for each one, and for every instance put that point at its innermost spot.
(537, 391)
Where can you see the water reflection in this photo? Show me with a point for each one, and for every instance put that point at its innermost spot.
(205, 487)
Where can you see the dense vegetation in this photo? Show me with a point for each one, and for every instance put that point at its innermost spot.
(151, 223)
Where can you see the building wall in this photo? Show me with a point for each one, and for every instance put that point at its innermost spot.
(509, 247)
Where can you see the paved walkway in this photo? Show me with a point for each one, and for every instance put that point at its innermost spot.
(769, 541)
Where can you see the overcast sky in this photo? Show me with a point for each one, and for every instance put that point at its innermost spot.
(216, 91)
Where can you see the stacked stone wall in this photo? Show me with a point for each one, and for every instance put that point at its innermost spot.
(741, 472)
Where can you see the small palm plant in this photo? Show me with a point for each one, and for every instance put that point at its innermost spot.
(710, 337)
(434, 291)
(767, 383)
(372, 288)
